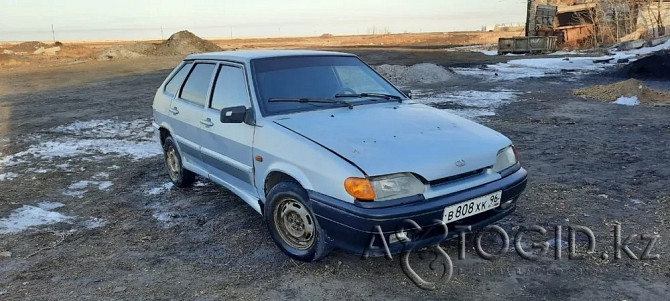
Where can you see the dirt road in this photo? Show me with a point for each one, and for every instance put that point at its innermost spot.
(79, 154)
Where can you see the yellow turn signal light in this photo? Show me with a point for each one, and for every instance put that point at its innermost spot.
(360, 188)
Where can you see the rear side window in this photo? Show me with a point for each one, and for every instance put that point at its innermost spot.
(230, 89)
(197, 84)
(175, 82)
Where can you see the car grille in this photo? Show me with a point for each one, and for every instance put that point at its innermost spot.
(457, 177)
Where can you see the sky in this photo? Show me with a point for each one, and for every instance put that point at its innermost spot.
(24, 20)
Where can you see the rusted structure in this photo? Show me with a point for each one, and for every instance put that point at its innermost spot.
(578, 23)
(572, 22)
(526, 45)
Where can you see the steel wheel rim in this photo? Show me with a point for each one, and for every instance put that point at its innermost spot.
(172, 163)
(294, 223)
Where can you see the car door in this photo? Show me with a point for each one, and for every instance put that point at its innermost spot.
(227, 147)
(187, 109)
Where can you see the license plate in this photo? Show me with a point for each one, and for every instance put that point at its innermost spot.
(472, 207)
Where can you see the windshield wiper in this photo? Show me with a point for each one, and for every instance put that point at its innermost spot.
(375, 95)
(317, 100)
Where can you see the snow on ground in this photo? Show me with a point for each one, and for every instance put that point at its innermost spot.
(487, 49)
(8, 176)
(94, 223)
(106, 128)
(78, 189)
(627, 101)
(28, 216)
(159, 189)
(543, 67)
(94, 140)
(468, 104)
(533, 68)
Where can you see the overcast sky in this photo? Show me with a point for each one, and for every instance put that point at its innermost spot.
(143, 19)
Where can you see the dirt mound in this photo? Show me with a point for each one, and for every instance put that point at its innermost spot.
(656, 66)
(424, 73)
(180, 43)
(29, 47)
(628, 88)
(117, 52)
(183, 43)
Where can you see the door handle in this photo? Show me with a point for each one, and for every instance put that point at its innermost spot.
(174, 110)
(207, 122)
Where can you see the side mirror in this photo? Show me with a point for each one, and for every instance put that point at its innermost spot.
(408, 93)
(234, 114)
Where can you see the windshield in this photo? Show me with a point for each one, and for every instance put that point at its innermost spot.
(315, 77)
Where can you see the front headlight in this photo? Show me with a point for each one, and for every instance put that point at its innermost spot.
(384, 188)
(506, 158)
(396, 186)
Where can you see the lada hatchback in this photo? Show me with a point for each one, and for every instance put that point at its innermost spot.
(330, 153)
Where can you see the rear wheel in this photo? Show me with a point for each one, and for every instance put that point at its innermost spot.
(292, 224)
(180, 176)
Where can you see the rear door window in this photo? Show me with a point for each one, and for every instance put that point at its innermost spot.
(172, 87)
(230, 88)
(197, 84)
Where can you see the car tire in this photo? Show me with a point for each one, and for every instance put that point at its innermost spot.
(179, 176)
(292, 224)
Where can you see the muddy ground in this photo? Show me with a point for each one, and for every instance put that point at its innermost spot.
(590, 163)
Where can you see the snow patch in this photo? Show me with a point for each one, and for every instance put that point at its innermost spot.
(78, 189)
(470, 104)
(487, 49)
(94, 223)
(106, 128)
(28, 216)
(98, 139)
(159, 189)
(544, 67)
(8, 176)
(627, 101)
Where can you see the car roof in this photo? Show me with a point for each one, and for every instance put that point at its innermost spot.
(248, 55)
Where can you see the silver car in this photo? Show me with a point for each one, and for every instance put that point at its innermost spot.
(330, 153)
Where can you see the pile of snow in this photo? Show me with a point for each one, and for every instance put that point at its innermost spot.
(627, 101)
(424, 73)
(30, 216)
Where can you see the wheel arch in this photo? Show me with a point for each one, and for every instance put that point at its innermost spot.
(284, 172)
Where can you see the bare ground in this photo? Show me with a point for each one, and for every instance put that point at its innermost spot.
(590, 163)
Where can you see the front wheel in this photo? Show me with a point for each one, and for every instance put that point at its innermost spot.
(179, 176)
(292, 224)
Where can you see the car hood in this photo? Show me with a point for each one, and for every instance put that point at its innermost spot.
(390, 138)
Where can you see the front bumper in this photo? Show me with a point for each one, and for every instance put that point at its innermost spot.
(352, 228)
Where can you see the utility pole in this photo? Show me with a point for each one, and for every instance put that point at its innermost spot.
(53, 33)
(162, 36)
